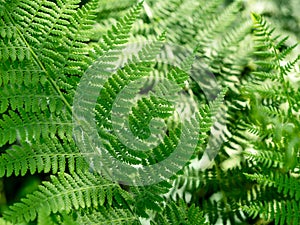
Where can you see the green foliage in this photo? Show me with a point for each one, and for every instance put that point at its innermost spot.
(55, 196)
(248, 116)
(180, 213)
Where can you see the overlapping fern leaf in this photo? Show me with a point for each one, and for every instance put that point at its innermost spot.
(264, 142)
(45, 52)
(36, 103)
(179, 213)
(66, 192)
(274, 125)
(40, 62)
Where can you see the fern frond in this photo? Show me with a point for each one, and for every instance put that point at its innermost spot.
(267, 158)
(52, 45)
(190, 179)
(149, 199)
(102, 215)
(64, 193)
(268, 49)
(119, 33)
(217, 25)
(32, 98)
(49, 49)
(33, 31)
(180, 213)
(286, 185)
(21, 73)
(29, 126)
(281, 212)
(226, 50)
(44, 155)
(45, 219)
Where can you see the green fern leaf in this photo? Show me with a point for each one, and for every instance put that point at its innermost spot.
(106, 215)
(179, 213)
(64, 193)
(44, 155)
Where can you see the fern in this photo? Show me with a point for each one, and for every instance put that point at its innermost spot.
(286, 185)
(270, 211)
(87, 191)
(180, 214)
(104, 216)
(279, 126)
(44, 155)
(224, 149)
